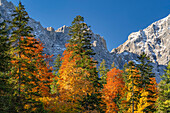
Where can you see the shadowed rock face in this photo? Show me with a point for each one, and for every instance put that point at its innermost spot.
(154, 40)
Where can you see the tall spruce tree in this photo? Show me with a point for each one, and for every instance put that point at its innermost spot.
(6, 104)
(20, 29)
(164, 92)
(147, 83)
(81, 37)
(23, 65)
(4, 48)
(133, 89)
(80, 48)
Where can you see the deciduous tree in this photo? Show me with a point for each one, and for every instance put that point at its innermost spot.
(113, 90)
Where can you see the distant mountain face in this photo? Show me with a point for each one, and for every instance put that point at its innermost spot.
(154, 40)
(54, 40)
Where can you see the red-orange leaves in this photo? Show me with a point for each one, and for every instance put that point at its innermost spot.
(113, 90)
(34, 70)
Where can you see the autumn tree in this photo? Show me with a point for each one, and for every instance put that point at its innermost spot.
(78, 74)
(132, 88)
(164, 92)
(31, 75)
(113, 90)
(36, 74)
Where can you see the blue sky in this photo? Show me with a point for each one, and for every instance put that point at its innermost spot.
(112, 19)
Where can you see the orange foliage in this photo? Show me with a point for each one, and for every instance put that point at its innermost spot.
(73, 82)
(35, 72)
(112, 89)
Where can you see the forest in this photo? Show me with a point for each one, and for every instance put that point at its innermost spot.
(28, 84)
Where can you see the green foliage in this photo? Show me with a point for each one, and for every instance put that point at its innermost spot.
(145, 71)
(57, 65)
(81, 44)
(132, 84)
(164, 92)
(103, 72)
(6, 103)
(21, 70)
(4, 48)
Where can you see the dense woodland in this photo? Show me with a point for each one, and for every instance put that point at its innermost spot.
(28, 84)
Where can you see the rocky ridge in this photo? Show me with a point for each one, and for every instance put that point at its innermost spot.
(54, 40)
(154, 40)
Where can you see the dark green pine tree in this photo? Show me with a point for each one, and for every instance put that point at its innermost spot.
(164, 92)
(6, 103)
(19, 27)
(57, 64)
(124, 98)
(145, 71)
(81, 45)
(103, 72)
(4, 48)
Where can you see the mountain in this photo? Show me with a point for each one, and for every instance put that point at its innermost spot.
(54, 40)
(154, 40)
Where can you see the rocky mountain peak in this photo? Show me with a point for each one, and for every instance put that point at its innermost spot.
(154, 41)
(63, 29)
(50, 29)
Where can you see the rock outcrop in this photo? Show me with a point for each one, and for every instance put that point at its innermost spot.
(154, 41)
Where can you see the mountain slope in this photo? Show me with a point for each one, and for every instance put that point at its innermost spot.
(154, 40)
(54, 40)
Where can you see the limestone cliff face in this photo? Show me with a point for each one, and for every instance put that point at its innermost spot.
(154, 41)
(54, 40)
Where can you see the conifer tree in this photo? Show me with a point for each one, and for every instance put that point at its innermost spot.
(81, 38)
(81, 53)
(133, 89)
(103, 71)
(57, 65)
(4, 48)
(164, 92)
(20, 29)
(30, 74)
(6, 104)
(148, 85)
